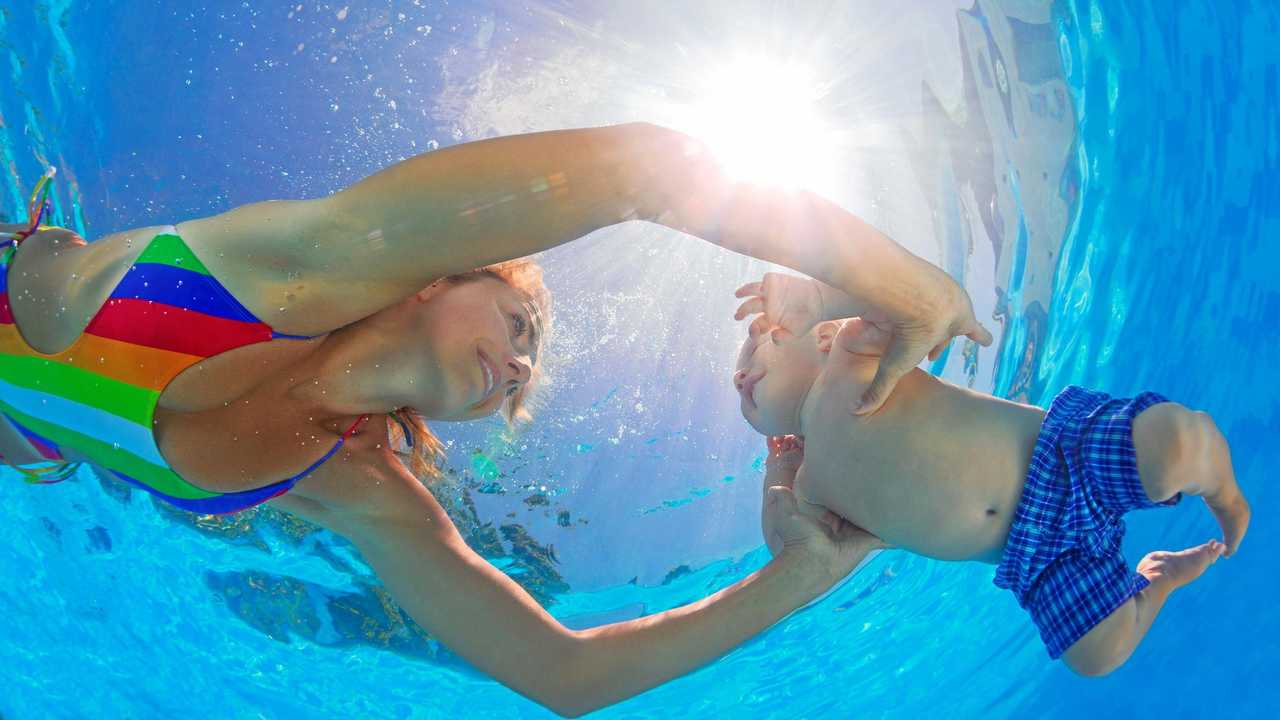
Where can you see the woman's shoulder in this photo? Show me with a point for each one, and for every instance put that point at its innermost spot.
(57, 264)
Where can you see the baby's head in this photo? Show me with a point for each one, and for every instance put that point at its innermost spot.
(774, 379)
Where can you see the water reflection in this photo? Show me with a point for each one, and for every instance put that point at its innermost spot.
(284, 607)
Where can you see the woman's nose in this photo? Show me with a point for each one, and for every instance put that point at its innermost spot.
(516, 372)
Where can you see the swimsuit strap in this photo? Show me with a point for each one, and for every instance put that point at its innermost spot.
(404, 428)
(351, 430)
(37, 206)
(289, 482)
(48, 474)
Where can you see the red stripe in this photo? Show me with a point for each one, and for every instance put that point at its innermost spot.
(48, 452)
(157, 325)
(6, 315)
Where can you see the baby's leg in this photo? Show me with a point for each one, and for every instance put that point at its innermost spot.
(1180, 451)
(1110, 643)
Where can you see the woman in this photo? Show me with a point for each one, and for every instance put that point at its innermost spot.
(256, 355)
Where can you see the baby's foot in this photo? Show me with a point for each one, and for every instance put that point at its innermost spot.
(1172, 570)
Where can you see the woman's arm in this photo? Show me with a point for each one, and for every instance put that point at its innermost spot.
(485, 617)
(346, 256)
(341, 258)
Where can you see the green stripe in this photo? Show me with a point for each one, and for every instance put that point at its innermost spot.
(126, 401)
(109, 456)
(169, 249)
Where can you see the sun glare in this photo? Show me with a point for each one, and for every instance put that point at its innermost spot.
(762, 120)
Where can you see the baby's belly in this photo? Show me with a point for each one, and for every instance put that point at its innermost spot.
(943, 521)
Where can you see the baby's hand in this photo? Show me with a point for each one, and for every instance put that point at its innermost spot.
(791, 304)
(786, 454)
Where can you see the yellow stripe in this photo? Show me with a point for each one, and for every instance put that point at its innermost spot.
(150, 368)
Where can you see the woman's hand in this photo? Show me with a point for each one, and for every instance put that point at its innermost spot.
(916, 309)
(860, 336)
(826, 545)
(923, 309)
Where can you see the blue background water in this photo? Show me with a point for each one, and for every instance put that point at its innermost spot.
(1120, 232)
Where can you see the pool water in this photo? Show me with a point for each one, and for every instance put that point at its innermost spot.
(1102, 176)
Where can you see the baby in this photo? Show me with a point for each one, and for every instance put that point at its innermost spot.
(956, 475)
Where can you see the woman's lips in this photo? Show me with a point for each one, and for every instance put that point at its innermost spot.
(489, 372)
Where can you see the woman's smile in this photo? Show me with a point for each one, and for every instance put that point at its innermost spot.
(489, 376)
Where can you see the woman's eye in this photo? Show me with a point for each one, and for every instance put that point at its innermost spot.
(511, 391)
(520, 323)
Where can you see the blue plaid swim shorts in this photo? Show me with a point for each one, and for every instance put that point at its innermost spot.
(1062, 560)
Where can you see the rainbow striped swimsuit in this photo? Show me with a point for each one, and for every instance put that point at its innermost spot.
(99, 396)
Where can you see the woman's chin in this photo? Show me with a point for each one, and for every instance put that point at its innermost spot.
(477, 411)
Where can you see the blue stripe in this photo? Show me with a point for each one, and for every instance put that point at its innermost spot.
(182, 288)
(218, 504)
(31, 434)
(232, 502)
(4, 269)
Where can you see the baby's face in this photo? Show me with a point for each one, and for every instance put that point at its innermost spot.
(773, 379)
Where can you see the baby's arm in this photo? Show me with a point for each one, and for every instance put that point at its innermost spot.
(786, 456)
(780, 467)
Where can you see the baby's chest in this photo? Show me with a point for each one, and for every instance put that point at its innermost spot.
(852, 477)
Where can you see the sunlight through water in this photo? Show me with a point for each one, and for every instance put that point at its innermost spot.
(761, 119)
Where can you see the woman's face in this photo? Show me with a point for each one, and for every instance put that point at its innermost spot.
(483, 340)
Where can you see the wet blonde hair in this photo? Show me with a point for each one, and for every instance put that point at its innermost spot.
(423, 449)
